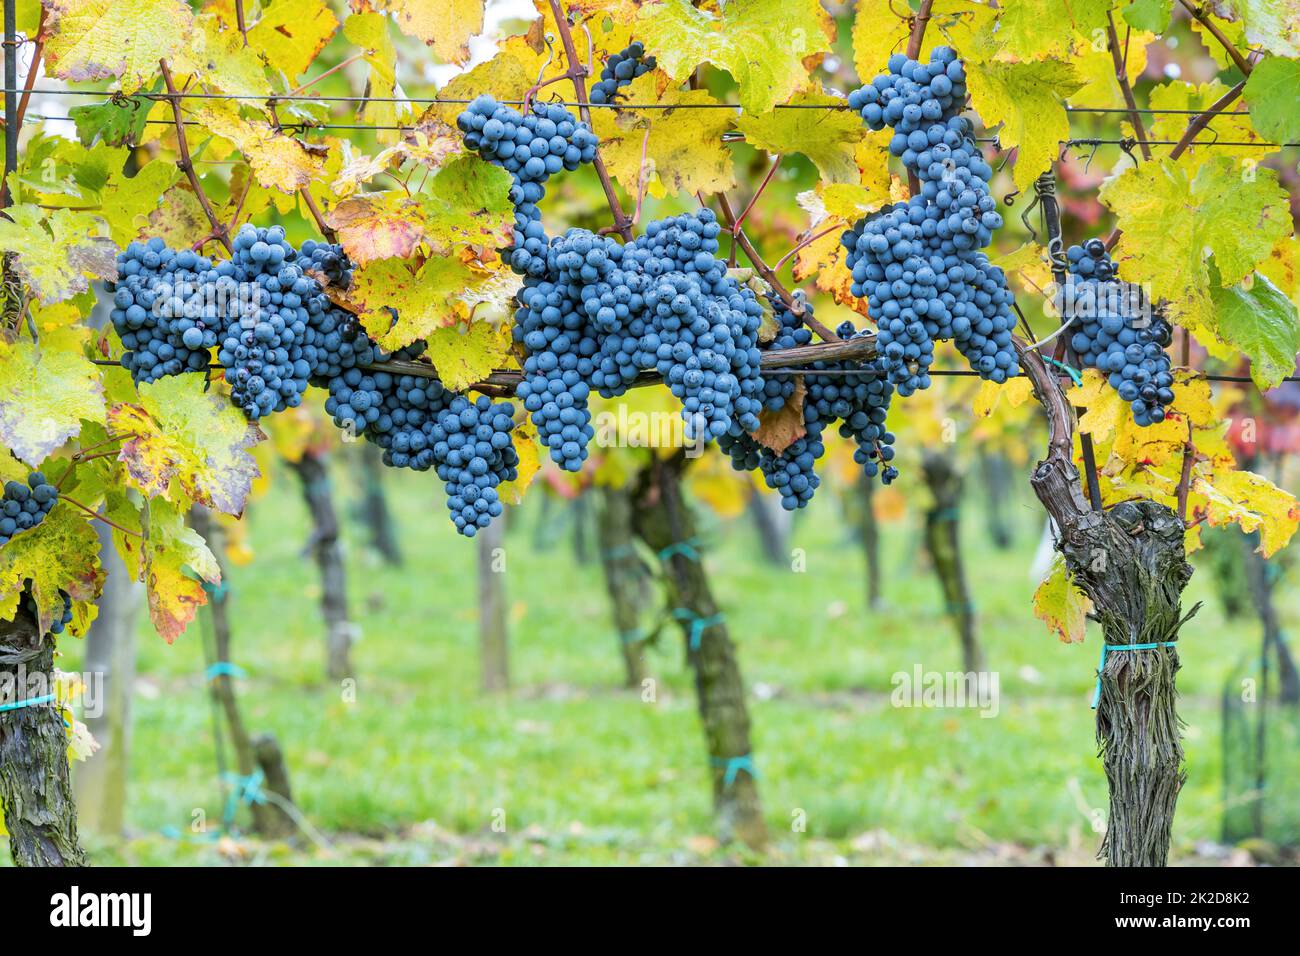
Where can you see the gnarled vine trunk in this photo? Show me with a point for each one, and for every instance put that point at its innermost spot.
(665, 524)
(627, 580)
(374, 510)
(35, 786)
(326, 548)
(943, 545)
(1129, 559)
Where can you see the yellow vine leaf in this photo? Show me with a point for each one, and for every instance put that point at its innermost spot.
(57, 255)
(1175, 213)
(369, 31)
(430, 146)
(1015, 392)
(445, 25)
(103, 39)
(529, 450)
(1230, 126)
(290, 33)
(45, 394)
(507, 76)
(378, 225)
(761, 43)
(1094, 65)
(426, 297)
(187, 441)
(828, 138)
(219, 59)
(59, 554)
(174, 561)
(879, 31)
(1249, 500)
(1035, 29)
(464, 354)
(684, 152)
(1026, 98)
(1060, 605)
(278, 161)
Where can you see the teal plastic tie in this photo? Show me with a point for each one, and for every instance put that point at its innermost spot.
(946, 514)
(619, 553)
(732, 767)
(957, 607)
(29, 702)
(634, 636)
(1107, 648)
(245, 790)
(217, 592)
(687, 549)
(1072, 372)
(224, 669)
(698, 624)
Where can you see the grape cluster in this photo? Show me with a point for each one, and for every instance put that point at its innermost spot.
(24, 506)
(791, 332)
(531, 148)
(1115, 331)
(602, 312)
(918, 263)
(475, 453)
(619, 71)
(160, 312)
(859, 400)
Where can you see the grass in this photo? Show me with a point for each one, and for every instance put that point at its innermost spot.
(417, 769)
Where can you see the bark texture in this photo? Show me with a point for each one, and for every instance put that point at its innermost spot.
(869, 534)
(663, 522)
(627, 581)
(942, 542)
(1129, 559)
(326, 547)
(35, 785)
(375, 513)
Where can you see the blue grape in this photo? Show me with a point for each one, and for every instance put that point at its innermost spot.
(919, 263)
(619, 71)
(24, 506)
(1114, 329)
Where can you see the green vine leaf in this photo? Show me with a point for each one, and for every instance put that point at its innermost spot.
(761, 43)
(1259, 320)
(57, 255)
(1150, 15)
(1272, 91)
(45, 394)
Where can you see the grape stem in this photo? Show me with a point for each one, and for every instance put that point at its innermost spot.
(95, 514)
(914, 40)
(740, 220)
(1234, 54)
(186, 163)
(803, 244)
(577, 70)
(1121, 77)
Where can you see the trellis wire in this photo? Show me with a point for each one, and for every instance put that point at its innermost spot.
(458, 101)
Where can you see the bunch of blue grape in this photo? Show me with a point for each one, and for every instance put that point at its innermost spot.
(791, 332)
(475, 453)
(918, 263)
(160, 312)
(599, 313)
(531, 148)
(1115, 330)
(860, 401)
(270, 347)
(24, 506)
(619, 71)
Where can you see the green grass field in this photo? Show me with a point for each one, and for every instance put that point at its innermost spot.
(587, 773)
